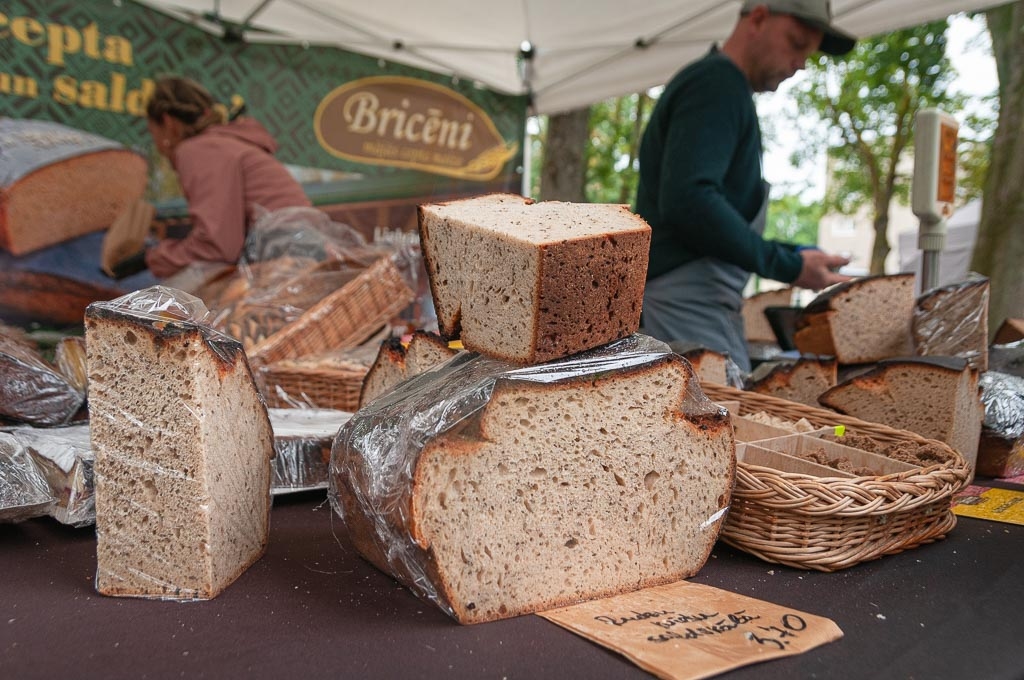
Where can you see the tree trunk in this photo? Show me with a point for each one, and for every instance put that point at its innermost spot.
(880, 249)
(629, 187)
(999, 252)
(563, 174)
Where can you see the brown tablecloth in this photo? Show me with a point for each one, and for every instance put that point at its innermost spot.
(312, 608)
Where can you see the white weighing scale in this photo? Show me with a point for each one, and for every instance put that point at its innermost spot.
(934, 188)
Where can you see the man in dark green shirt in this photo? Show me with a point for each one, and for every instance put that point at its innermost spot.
(701, 187)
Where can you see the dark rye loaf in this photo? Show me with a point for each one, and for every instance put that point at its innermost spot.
(495, 492)
(182, 443)
(859, 321)
(397, 362)
(528, 282)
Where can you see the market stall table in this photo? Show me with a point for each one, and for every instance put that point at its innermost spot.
(312, 608)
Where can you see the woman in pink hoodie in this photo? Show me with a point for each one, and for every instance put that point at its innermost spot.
(225, 169)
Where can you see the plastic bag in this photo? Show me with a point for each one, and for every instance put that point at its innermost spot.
(32, 391)
(23, 491)
(64, 457)
(953, 321)
(1001, 450)
(375, 457)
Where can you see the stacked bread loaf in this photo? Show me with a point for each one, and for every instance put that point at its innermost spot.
(57, 183)
(494, 488)
(182, 446)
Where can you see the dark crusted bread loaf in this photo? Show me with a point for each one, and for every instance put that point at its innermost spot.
(182, 444)
(494, 491)
(529, 282)
(397, 362)
(710, 366)
(938, 399)
(860, 321)
(802, 380)
(755, 324)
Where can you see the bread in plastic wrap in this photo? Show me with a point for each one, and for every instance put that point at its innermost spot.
(33, 391)
(493, 490)
(64, 457)
(953, 321)
(24, 492)
(183, 446)
(302, 443)
(1001, 449)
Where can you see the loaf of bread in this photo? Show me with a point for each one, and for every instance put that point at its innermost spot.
(1011, 330)
(397, 362)
(31, 390)
(528, 282)
(860, 321)
(710, 366)
(1001, 448)
(755, 323)
(936, 398)
(802, 380)
(302, 443)
(953, 321)
(57, 183)
(494, 491)
(183, 446)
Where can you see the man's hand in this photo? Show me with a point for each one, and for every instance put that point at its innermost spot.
(818, 270)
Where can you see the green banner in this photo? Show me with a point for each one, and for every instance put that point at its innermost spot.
(90, 64)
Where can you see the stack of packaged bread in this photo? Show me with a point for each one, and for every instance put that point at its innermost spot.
(562, 457)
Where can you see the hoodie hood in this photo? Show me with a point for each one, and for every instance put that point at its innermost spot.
(248, 130)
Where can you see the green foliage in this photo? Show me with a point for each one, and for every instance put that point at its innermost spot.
(869, 99)
(793, 221)
(611, 156)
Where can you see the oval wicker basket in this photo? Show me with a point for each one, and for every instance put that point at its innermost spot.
(828, 523)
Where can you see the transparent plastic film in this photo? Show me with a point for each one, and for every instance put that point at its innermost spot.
(182, 448)
(382, 462)
(1003, 398)
(952, 321)
(33, 391)
(302, 443)
(64, 457)
(24, 492)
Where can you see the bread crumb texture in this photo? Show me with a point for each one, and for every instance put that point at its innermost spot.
(530, 282)
(551, 493)
(183, 446)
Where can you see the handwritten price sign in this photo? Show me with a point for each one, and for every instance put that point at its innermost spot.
(688, 630)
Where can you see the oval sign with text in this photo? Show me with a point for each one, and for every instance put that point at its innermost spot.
(410, 123)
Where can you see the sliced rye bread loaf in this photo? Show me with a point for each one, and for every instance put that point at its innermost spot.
(396, 362)
(936, 398)
(528, 282)
(802, 380)
(953, 321)
(859, 321)
(1011, 330)
(182, 443)
(495, 492)
(755, 324)
(710, 366)
(57, 182)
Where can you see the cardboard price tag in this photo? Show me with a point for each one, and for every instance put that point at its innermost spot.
(982, 502)
(688, 630)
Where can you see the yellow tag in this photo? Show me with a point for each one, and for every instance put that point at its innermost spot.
(840, 430)
(1001, 505)
(455, 344)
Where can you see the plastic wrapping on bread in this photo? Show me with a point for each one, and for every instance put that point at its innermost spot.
(1001, 451)
(32, 390)
(24, 492)
(64, 457)
(494, 490)
(183, 447)
(302, 444)
(953, 321)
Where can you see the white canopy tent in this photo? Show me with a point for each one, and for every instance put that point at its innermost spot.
(567, 53)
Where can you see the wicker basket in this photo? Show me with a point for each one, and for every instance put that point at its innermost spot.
(345, 318)
(831, 523)
(290, 386)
